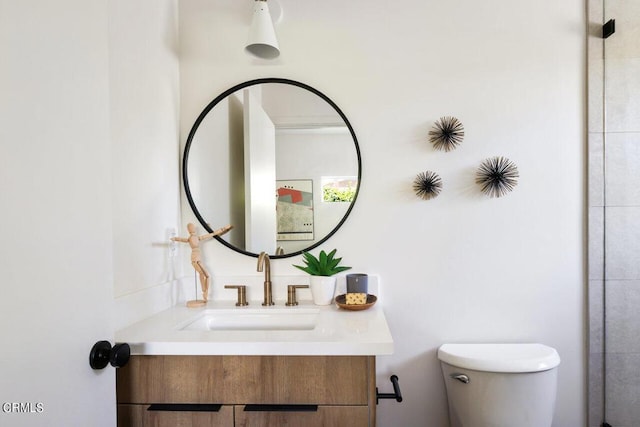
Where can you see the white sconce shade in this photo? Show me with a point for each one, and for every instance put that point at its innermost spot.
(262, 40)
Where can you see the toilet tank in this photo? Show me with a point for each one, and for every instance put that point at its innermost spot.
(500, 385)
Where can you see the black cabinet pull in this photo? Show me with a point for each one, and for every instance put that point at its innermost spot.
(185, 407)
(281, 408)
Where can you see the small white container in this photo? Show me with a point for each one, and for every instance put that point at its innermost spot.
(500, 385)
(322, 289)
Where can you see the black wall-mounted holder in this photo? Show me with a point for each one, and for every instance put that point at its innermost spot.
(608, 28)
(396, 391)
(103, 354)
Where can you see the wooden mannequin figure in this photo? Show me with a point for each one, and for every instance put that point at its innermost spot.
(194, 241)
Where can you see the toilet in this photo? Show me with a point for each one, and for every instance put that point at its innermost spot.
(500, 385)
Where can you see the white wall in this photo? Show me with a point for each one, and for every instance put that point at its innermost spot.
(461, 267)
(144, 101)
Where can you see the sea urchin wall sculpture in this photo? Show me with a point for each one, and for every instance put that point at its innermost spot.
(427, 185)
(497, 176)
(447, 133)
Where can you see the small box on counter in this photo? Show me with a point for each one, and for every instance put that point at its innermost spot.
(356, 298)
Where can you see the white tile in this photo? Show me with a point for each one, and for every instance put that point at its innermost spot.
(622, 103)
(596, 384)
(596, 316)
(596, 243)
(595, 95)
(596, 169)
(622, 160)
(622, 317)
(624, 42)
(622, 246)
(622, 389)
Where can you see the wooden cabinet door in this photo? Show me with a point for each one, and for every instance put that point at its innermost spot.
(288, 380)
(319, 380)
(140, 416)
(323, 416)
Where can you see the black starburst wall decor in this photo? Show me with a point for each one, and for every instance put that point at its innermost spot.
(447, 133)
(427, 185)
(497, 176)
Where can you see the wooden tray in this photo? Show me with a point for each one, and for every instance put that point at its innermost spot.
(341, 301)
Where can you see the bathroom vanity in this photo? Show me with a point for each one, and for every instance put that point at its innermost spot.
(222, 365)
(186, 371)
(247, 391)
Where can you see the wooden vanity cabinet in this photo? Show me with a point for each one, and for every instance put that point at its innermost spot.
(252, 391)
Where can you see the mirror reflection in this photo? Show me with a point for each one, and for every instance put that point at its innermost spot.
(278, 160)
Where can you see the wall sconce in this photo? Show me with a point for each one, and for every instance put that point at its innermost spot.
(262, 41)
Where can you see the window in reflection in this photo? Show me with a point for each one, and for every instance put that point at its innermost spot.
(339, 189)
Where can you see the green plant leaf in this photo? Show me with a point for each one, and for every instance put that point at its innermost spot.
(305, 269)
(333, 263)
(312, 261)
(324, 265)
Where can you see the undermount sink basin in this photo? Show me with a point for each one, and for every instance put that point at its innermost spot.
(249, 319)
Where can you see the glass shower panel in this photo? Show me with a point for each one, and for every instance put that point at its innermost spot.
(622, 214)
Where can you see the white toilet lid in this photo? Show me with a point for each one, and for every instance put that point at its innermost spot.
(500, 357)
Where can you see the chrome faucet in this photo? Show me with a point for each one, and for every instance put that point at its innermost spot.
(265, 264)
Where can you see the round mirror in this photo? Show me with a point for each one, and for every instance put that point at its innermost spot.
(276, 159)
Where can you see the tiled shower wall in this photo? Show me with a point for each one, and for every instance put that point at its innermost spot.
(614, 214)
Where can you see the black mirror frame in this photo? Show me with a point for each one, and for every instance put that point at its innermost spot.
(218, 99)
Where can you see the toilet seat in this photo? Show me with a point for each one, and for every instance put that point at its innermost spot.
(509, 358)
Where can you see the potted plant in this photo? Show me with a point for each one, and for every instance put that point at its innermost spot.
(322, 270)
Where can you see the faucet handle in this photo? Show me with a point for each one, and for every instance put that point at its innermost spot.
(242, 294)
(291, 294)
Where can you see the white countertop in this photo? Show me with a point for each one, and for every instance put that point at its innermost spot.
(337, 332)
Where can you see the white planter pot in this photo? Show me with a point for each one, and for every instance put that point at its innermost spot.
(322, 289)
